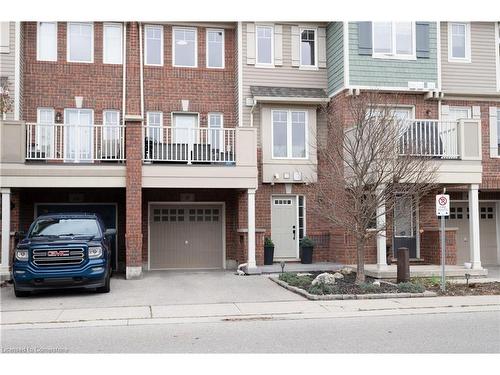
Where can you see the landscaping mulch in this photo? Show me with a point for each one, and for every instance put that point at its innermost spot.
(473, 289)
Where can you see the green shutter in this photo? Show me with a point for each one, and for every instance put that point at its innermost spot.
(364, 38)
(422, 37)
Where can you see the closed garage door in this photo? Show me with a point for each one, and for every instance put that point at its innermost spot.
(459, 218)
(186, 237)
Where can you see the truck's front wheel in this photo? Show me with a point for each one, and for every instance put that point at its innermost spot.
(107, 285)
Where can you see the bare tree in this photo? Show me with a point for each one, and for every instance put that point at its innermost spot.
(5, 98)
(371, 155)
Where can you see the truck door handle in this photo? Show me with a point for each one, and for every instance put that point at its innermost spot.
(293, 231)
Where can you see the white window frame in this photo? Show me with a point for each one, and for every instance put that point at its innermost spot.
(162, 57)
(195, 47)
(257, 63)
(221, 132)
(50, 131)
(161, 124)
(104, 124)
(38, 42)
(289, 142)
(467, 58)
(67, 133)
(393, 54)
(315, 66)
(223, 48)
(460, 108)
(106, 25)
(68, 44)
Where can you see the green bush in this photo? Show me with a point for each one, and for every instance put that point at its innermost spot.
(410, 287)
(268, 242)
(294, 280)
(321, 289)
(306, 242)
(369, 288)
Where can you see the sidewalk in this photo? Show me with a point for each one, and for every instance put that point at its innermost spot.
(241, 311)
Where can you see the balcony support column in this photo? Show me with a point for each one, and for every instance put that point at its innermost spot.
(251, 263)
(475, 251)
(4, 267)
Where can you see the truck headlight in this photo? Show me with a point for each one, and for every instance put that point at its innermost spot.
(22, 255)
(95, 252)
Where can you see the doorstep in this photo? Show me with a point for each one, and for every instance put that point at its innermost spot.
(299, 267)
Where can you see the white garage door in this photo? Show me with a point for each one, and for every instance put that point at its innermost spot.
(459, 217)
(186, 237)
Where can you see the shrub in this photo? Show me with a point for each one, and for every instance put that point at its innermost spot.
(268, 242)
(369, 288)
(286, 276)
(294, 280)
(410, 287)
(306, 242)
(321, 289)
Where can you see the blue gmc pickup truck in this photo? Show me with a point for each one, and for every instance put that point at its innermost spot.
(63, 251)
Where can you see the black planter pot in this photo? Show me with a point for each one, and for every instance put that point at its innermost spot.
(307, 255)
(268, 255)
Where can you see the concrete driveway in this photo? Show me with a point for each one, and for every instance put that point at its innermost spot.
(158, 288)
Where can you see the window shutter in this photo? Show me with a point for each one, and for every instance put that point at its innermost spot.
(364, 38)
(278, 45)
(493, 132)
(295, 46)
(321, 47)
(422, 37)
(251, 43)
(4, 37)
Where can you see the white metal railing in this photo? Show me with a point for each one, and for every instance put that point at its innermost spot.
(433, 138)
(188, 145)
(75, 143)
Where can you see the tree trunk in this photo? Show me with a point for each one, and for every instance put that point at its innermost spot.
(360, 253)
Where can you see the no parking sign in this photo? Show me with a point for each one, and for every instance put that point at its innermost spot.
(442, 205)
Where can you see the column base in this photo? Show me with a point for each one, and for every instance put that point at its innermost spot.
(477, 266)
(133, 273)
(252, 270)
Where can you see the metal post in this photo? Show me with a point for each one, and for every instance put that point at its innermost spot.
(443, 254)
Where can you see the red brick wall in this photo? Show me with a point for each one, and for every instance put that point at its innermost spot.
(430, 247)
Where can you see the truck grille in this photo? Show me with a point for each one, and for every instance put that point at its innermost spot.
(58, 257)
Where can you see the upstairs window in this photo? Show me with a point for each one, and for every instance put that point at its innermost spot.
(308, 48)
(459, 42)
(46, 41)
(112, 43)
(80, 42)
(153, 45)
(215, 48)
(264, 35)
(154, 128)
(289, 134)
(184, 50)
(394, 40)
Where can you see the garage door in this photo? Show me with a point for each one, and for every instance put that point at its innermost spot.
(459, 217)
(186, 237)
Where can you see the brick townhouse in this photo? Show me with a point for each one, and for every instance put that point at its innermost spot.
(197, 140)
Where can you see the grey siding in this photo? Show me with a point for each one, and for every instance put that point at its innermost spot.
(335, 56)
(364, 70)
(479, 76)
(7, 64)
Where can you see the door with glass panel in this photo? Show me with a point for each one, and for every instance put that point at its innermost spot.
(44, 135)
(405, 225)
(216, 133)
(78, 135)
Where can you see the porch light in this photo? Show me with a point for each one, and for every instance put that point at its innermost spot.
(59, 118)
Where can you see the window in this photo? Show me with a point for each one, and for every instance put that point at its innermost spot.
(302, 217)
(457, 113)
(308, 48)
(459, 42)
(185, 125)
(498, 131)
(216, 134)
(45, 132)
(111, 122)
(80, 42)
(215, 48)
(154, 129)
(264, 35)
(153, 45)
(112, 44)
(184, 50)
(47, 41)
(289, 134)
(394, 39)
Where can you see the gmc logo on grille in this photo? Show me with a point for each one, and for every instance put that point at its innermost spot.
(58, 253)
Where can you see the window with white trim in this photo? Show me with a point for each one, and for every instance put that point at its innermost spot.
(289, 134)
(394, 39)
(216, 133)
(153, 45)
(264, 45)
(111, 122)
(459, 41)
(154, 128)
(80, 42)
(46, 41)
(308, 48)
(45, 132)
(302, 216)
(185, 47)
(112, 43)
(215, 48)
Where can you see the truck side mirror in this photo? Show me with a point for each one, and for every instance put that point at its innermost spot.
(109, 232)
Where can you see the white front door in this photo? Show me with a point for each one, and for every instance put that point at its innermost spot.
(78, 135)
(184, 128)
(284, 226)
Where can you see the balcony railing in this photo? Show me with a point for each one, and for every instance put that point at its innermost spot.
(184, 145)
(75, 143)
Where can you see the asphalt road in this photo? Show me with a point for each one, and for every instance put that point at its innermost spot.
(420, 333)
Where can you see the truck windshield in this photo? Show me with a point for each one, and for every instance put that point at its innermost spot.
(65, 227)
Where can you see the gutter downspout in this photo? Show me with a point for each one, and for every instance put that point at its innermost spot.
(17, 71)
(240, 74)
(251, 112)
(141, 73)
(124, 73)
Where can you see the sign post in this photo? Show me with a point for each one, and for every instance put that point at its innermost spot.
(442, 211)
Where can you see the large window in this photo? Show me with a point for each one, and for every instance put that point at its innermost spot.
(47, 41)
(154, 128)
(289, 129)
(264, 35)
(45, 132)
(185, 49)
(459, 42)
(308, 48)
(111, 122)
(394, 40)
(216, 133)
(153, 45)
(80, 42)
(215, 48)
(112, 44)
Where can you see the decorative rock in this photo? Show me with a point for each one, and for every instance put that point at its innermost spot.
(346, 271)
(376, 283)
(338, 275)
(304, 274)
(324, 278)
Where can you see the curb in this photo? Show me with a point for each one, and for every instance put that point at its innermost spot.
(330, 297)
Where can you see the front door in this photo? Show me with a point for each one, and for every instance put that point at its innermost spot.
(78, 135)
(284, 226)
(404, 225)
(184, 128)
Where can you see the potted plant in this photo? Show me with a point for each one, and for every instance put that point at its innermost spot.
(306, 247)
(268, 251)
